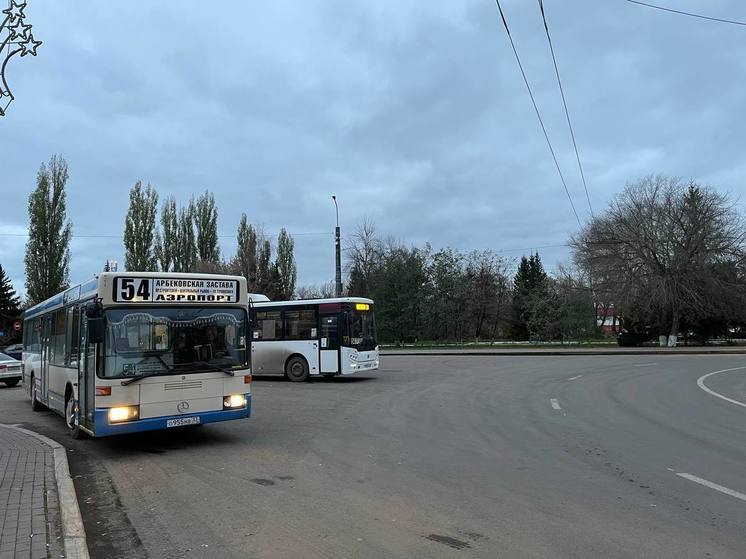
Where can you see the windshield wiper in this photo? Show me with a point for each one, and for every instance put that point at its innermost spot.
(139, 377)
(212, 365)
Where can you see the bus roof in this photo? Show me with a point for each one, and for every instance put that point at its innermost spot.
(312, 301)
(103, 285)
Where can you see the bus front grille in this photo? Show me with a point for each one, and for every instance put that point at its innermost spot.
(187, 385)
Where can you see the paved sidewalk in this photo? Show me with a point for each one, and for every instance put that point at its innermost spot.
(30, 520)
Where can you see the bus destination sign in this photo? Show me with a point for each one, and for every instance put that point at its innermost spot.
(175, 290)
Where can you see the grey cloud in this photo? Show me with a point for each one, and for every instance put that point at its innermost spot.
(412, 113)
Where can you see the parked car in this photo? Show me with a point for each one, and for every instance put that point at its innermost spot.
(14, 351)
(10, 370)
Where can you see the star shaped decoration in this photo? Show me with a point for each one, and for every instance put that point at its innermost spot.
(19, 30)
(15, 11)
(29, 46)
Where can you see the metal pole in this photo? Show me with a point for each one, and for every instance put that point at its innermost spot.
(338, 253)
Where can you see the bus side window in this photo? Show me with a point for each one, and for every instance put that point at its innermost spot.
(299, 325)
(268, 326)
(36, 336)
(73, 336)
(57, 343)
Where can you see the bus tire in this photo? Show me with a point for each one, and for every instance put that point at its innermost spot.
(71, 415)
(296, 369)
(36, 405)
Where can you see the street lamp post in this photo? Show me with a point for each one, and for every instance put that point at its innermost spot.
(338, 248)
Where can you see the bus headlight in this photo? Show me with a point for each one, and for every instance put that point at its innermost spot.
(234, 401)
(123, 413)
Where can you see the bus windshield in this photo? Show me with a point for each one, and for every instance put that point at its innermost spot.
(173, 340)
(362, 330)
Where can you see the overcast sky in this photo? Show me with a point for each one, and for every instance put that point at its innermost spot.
(413, 113)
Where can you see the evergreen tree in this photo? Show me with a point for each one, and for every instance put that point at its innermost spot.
(529, 290)
(286, 270)
(185, 259)
(166, 243)
(139, 229)
(205, 214)
(10, 304)
(48, 247)
(246, 253)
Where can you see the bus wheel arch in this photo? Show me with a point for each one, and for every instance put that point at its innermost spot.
(71, 412)
(296, 368)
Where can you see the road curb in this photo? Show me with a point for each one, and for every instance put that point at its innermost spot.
(72, 522)
(557, 353)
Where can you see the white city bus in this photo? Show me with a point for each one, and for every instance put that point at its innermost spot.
(138, 351)
(313, 337)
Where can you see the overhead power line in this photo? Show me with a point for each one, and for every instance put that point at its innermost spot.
(538, 114)
(564, 104)
(23, 235)
(690, 14)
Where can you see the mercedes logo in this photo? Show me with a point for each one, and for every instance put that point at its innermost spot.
(181, 407)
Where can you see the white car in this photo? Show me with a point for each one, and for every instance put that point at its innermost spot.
(10, 370)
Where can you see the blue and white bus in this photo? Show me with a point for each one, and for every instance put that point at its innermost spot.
(138, 351)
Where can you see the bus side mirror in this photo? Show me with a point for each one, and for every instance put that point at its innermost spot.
(94, 312)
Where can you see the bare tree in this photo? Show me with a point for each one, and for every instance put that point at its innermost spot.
(318, 291)
(364, 253)
(658, 250)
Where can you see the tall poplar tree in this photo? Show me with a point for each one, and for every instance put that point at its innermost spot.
(186, 241)
(166, 240)
(246, 252)
(264, 267)
(287, 271)
(139, 229)
(205, 214)
(47, 257)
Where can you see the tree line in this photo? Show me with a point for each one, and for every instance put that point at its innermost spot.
(174, 238)
(423, 295)
(665, 258)
(185, 239)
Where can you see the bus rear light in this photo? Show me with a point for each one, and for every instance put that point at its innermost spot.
(247, 379)
(234, 401)
(103, 391)
(123, 413)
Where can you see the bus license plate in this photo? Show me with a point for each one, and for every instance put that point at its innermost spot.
(180, 422)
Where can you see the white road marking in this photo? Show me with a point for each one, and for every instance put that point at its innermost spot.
(701, 384)
(555, 403)
(711, 485)
(645, 364)
(576, 377)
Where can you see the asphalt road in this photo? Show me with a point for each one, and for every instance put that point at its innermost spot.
(436, 456)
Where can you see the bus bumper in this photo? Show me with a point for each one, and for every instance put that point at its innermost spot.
(102, 428)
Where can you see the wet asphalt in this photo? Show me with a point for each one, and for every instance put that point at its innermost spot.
(435, 456)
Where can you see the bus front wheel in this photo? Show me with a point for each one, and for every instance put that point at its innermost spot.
(36, 405)
(71, 416)
(296, 369)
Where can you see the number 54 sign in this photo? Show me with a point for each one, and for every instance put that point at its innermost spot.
(175, 290)
(133, 290)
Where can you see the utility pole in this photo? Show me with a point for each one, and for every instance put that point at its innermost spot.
(338, 249)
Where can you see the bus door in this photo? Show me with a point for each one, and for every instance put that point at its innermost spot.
(46, 342)
(329, 343)
(86, 375)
